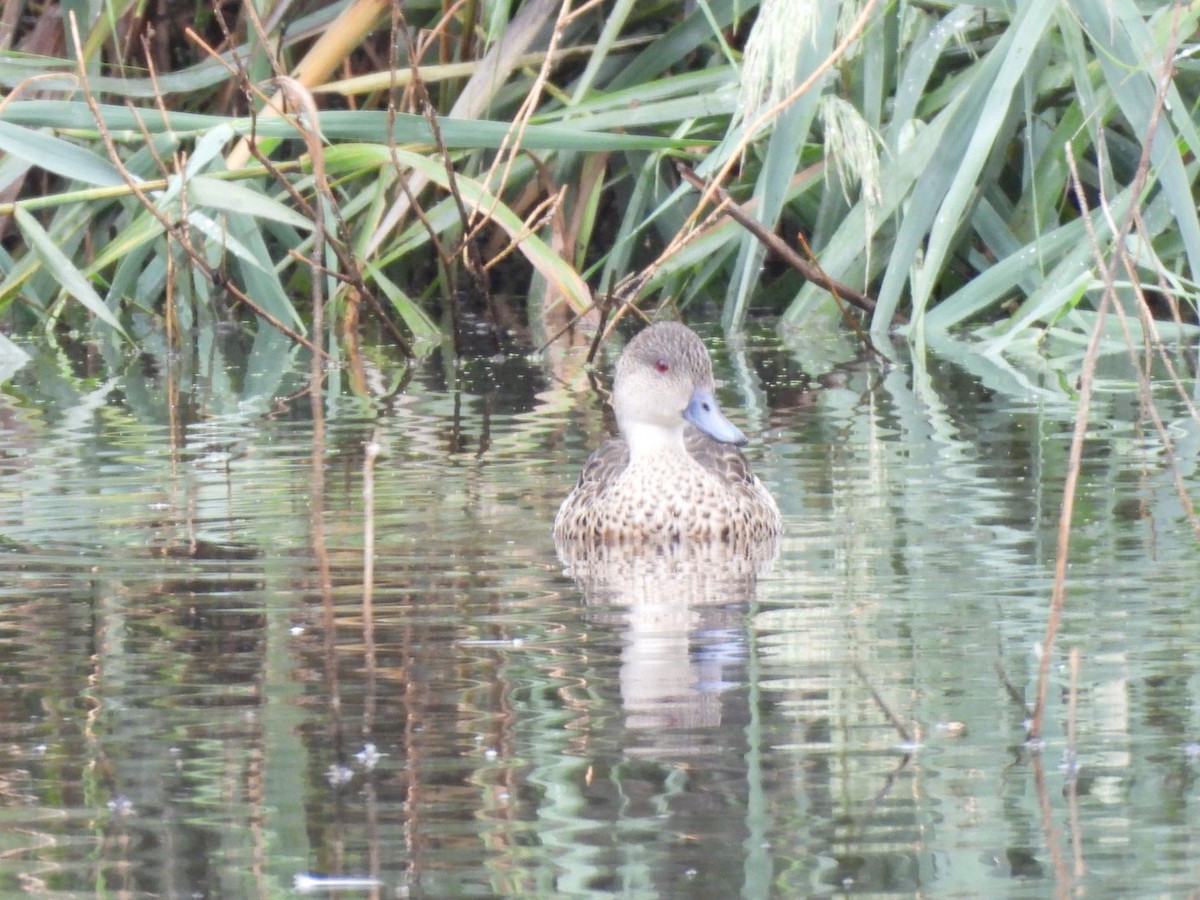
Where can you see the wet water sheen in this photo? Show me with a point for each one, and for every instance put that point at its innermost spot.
(206, 692)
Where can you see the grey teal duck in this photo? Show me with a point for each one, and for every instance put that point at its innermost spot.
(675, 475)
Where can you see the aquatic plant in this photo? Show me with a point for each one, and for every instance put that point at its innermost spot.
(392, 170)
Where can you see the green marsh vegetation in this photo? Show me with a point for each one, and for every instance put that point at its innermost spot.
(980, 170)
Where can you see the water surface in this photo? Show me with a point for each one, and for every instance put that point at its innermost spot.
(207, 691)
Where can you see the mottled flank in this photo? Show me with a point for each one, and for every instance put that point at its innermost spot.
(675, 474)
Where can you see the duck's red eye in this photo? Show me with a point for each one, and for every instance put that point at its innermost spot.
(662, 366)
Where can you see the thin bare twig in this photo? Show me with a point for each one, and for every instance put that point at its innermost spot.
(713, 195)
(1151, 335)
(310, 130)
(370, 455)
(841, 293)
(774, 243)
(897, 723)
(131, 182)
(506, 155)
(1052, 838)
(1080, 869)
(543, 212)
(807, 85)
(351, 273)
(468, 246)
(620, 299)
(1071, 483)
(1009, 688)
(1107, 271)
(444, 256)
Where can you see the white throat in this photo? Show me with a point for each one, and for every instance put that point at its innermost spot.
(645, 438)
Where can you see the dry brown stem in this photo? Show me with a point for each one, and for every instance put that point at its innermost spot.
(169, 228)
(1107, 270)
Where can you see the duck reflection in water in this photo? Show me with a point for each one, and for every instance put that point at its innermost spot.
(669, 529)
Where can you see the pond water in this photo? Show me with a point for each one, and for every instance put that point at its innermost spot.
(208, 690)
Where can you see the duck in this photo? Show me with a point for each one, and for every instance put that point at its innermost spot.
(675, 475)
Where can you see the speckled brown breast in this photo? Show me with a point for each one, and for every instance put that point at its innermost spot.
(707, 494)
